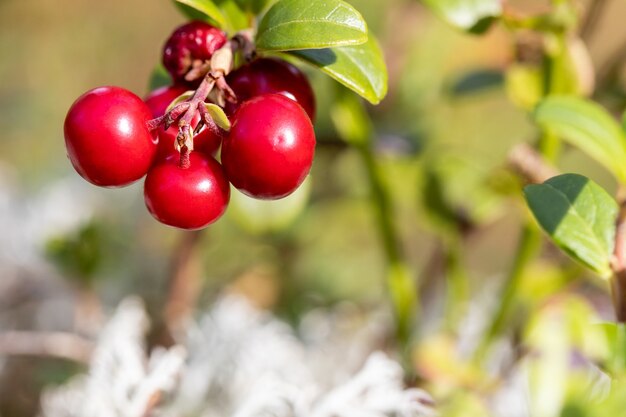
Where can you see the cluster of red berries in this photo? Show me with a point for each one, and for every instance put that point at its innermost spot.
(112, 139)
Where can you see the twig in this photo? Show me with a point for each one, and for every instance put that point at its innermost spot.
(53, 344)
(611, 67)
(184, 285)
(618, 264)
(592, 18)
(525, 161)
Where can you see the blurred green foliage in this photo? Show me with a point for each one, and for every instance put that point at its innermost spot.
(439, 142)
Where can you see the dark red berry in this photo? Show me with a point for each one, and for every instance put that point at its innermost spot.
(194, 41)
(187, 198)
(270, 147)
(205, 141)
(268, 76)
(107, 138)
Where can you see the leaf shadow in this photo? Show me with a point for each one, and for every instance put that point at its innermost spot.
(322, 57)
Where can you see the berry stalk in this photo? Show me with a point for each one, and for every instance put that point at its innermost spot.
(184, 112)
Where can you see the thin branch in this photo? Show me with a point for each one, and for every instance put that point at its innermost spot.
(52, 344)
(592, 18)
(608, 72)
(184, 285)
(618, 264)
(528, 163)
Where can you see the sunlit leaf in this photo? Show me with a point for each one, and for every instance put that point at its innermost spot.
(579, 216)
(207, 8)
(218, 115)
(588, 126)
(262, 216)
(308, 24)
(471, 15)
(361, 68)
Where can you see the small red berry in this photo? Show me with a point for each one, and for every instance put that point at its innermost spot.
(270, 147)
(107, 139)
(268, 76)
(187, 198)
(158, 100)
(193, 41)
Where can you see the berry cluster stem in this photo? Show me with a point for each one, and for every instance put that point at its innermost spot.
(184, 112)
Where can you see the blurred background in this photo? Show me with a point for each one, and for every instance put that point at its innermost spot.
(69, 251)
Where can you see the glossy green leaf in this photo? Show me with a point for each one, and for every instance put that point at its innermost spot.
(361, 68)
(579, 216)
(309, 24)
(589, 127)
(474, 16)
(218, 115)
(207, 8)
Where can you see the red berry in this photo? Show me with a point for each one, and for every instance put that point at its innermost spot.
(268, 76)
(206, 141)
(107, 138)
(187, 198)
(270, 147)
(194, 41)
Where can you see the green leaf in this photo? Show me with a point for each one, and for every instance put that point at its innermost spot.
(476, 81)
(255, 6)
(310, 24)
(159, 78)
(78, 255)
(524, 85)
(266, 216)
(183, 97)
(361, 68)
(207, 8)
(351, 119)
(579, 216)
(474, 16)
(218, 115)
(234, 14)
(589, 127)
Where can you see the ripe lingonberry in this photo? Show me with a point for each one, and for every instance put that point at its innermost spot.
(107, 138)
(187, 198)
(270, 147)
(205, 141)
(194, 42)
(268, 76)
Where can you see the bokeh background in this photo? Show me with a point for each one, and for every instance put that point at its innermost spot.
(68, 247)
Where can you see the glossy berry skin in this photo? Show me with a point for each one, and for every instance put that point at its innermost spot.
(192, 41)
(188, 198)
(157, 101)
(270, 147)
(107, 139)
(268, 76)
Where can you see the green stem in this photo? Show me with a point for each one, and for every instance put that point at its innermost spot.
(549, 146)
(619, 364)
(528, 246)
(354, 126)
(400, 282)
(457, 285)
